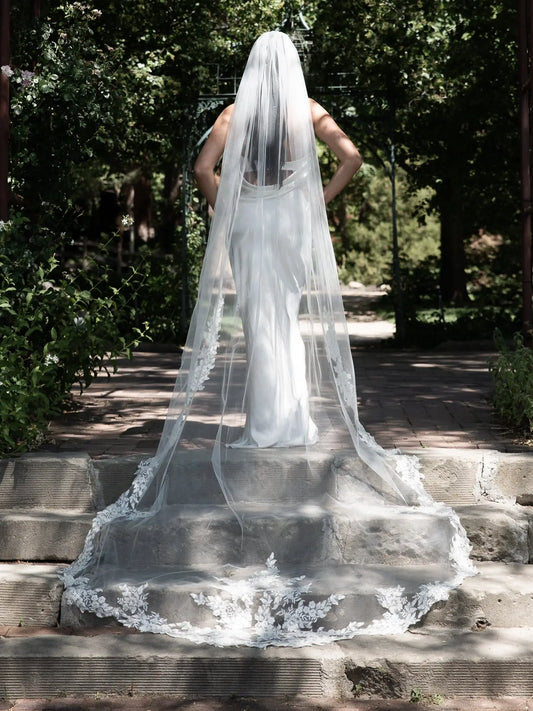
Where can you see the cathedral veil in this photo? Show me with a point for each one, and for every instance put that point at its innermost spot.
(268, 515)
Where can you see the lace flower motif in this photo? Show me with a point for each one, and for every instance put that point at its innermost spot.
(206, 355)
(133, 599)
(344, 379)
(264, 609)
(280, 611)
(125, 506)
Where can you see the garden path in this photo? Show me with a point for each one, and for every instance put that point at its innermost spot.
(409, 398)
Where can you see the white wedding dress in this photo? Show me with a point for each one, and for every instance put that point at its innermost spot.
(268, 516)
(269, 294)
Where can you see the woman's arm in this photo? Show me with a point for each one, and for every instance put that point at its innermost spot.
(349, 158)
(209, 156)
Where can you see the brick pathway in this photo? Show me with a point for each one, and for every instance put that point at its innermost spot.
(408, 399)
(412, 399)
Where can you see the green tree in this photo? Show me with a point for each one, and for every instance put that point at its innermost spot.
(114, 91)
(439, 74)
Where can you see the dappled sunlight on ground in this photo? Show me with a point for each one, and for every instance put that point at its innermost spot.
(407, 398)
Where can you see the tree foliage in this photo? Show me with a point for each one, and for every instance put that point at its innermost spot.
(437, 77)
(106, 121)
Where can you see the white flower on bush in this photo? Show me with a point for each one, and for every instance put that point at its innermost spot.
(127, 221)
(79, 321)
(51, 358)
(3, 225)
(27, 77)
(23, 75)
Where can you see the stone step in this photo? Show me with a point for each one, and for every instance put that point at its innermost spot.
(501, 595)
(49, 481)
(498, 532)
(495, 662)
(498, 596)
(184, 536)
(463, 476)
(30, 594)
(250, 475)
(452, 476)
(42, 535)
(182, 595)
(73, 480)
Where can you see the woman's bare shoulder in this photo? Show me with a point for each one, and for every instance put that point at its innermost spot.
(225, 115)
(317, 111)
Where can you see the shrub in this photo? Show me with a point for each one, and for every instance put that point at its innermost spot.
(513, 377)
(56, 329)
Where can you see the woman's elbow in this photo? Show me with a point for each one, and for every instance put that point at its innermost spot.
(200, 171)
(355, 160)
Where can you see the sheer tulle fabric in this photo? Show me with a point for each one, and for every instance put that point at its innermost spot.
(268, 515)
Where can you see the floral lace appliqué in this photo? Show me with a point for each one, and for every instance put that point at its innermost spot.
(125, 505)
(344, 379)
(262, 610)
(208, 350)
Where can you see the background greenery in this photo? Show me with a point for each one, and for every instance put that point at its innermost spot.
(105, 124)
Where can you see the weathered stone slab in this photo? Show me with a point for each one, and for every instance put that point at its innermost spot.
(497, 532)
(451, 476)
(42, 535)
(515, 476)
(30, 594)
(500, 595)
(48, 481)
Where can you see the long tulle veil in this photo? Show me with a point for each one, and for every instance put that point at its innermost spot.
(268, 515)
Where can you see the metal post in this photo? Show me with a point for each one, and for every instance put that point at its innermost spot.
(184, 268)
(4, 109)
(524, 44)
(397, 276)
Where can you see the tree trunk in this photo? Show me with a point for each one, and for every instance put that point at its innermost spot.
(452, 269)
(168, 226)
(4, 109)
(142, 209)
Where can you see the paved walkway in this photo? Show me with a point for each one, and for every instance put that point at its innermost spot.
(409, 399)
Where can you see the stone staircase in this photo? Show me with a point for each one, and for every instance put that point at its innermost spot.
(478, 643)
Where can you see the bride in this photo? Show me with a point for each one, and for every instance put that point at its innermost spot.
(268, 514)
(275, 180)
